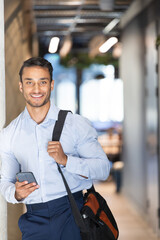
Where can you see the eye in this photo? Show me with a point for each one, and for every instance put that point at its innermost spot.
(43, 82)
(29, 82)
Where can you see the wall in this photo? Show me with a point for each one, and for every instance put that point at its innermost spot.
(152, 125)
(3, 205)
(132, 74)
(17, 49)
(19, 32)
(138, 71)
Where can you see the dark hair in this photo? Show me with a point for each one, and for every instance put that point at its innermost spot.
(36, 61)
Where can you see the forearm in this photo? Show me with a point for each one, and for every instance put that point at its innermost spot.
(91, 168)
(7, 190)
(9, 168)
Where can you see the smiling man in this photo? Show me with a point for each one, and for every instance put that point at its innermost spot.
(26, 146)
(36, 90)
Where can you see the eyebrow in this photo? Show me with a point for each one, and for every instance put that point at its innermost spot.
(44, 78)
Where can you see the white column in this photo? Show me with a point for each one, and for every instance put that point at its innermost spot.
(3, 205)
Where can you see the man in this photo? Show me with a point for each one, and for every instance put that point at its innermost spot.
(25, 145)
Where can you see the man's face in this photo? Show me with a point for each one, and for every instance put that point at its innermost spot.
(36, 86)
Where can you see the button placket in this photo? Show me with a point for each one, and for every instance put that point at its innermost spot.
(40, 160)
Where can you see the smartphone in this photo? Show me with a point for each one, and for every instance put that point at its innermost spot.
(26, 176)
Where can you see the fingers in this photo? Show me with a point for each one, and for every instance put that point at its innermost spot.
(25, 185)
(23, 189)
(20, 184)
(55, 151)
(54, 143)
(54, 147)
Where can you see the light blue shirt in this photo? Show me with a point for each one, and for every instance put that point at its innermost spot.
(23, 147)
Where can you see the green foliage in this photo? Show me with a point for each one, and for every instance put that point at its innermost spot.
(82, 60)
(158, 41)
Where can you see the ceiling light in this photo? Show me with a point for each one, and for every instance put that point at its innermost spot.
(108, 44)
(111, 25)
(53, 45)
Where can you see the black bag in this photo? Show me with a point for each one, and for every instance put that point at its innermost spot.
(98, 217)
(95, 220)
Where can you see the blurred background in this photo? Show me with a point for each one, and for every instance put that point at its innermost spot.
(105, 55)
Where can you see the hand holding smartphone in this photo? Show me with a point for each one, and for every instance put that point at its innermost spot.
(23, 188)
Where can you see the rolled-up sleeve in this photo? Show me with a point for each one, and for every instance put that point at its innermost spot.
(91, 161)
(9, 168)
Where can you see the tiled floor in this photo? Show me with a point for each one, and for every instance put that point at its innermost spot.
(131, 225)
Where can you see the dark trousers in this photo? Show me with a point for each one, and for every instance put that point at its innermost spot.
(52, 220)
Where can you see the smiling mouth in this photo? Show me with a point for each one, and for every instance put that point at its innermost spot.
(36, 96)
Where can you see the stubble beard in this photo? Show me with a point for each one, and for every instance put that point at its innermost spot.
(38, 105)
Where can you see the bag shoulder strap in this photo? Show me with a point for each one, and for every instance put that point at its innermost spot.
(55, 137)
(59, 125)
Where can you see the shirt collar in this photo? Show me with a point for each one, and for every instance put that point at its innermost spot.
(51, 115)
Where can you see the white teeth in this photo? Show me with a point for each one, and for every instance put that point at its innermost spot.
(36, 96)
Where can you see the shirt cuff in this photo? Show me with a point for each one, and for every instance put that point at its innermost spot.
(12, 195)
(77, 166)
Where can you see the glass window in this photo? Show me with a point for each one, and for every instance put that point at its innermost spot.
(66, 96)
(102, 100)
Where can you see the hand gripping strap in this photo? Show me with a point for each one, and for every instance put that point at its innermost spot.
(55, 137)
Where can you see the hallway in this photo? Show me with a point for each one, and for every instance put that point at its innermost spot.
(129, 71)
(131, 225)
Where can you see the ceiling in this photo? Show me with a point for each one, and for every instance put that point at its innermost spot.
(82, 21)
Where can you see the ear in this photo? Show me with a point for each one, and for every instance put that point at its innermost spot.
(21, 87)
(52, 85)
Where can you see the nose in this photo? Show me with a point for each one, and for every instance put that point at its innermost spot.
(36, 88)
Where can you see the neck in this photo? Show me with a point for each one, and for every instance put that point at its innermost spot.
(38, 114)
